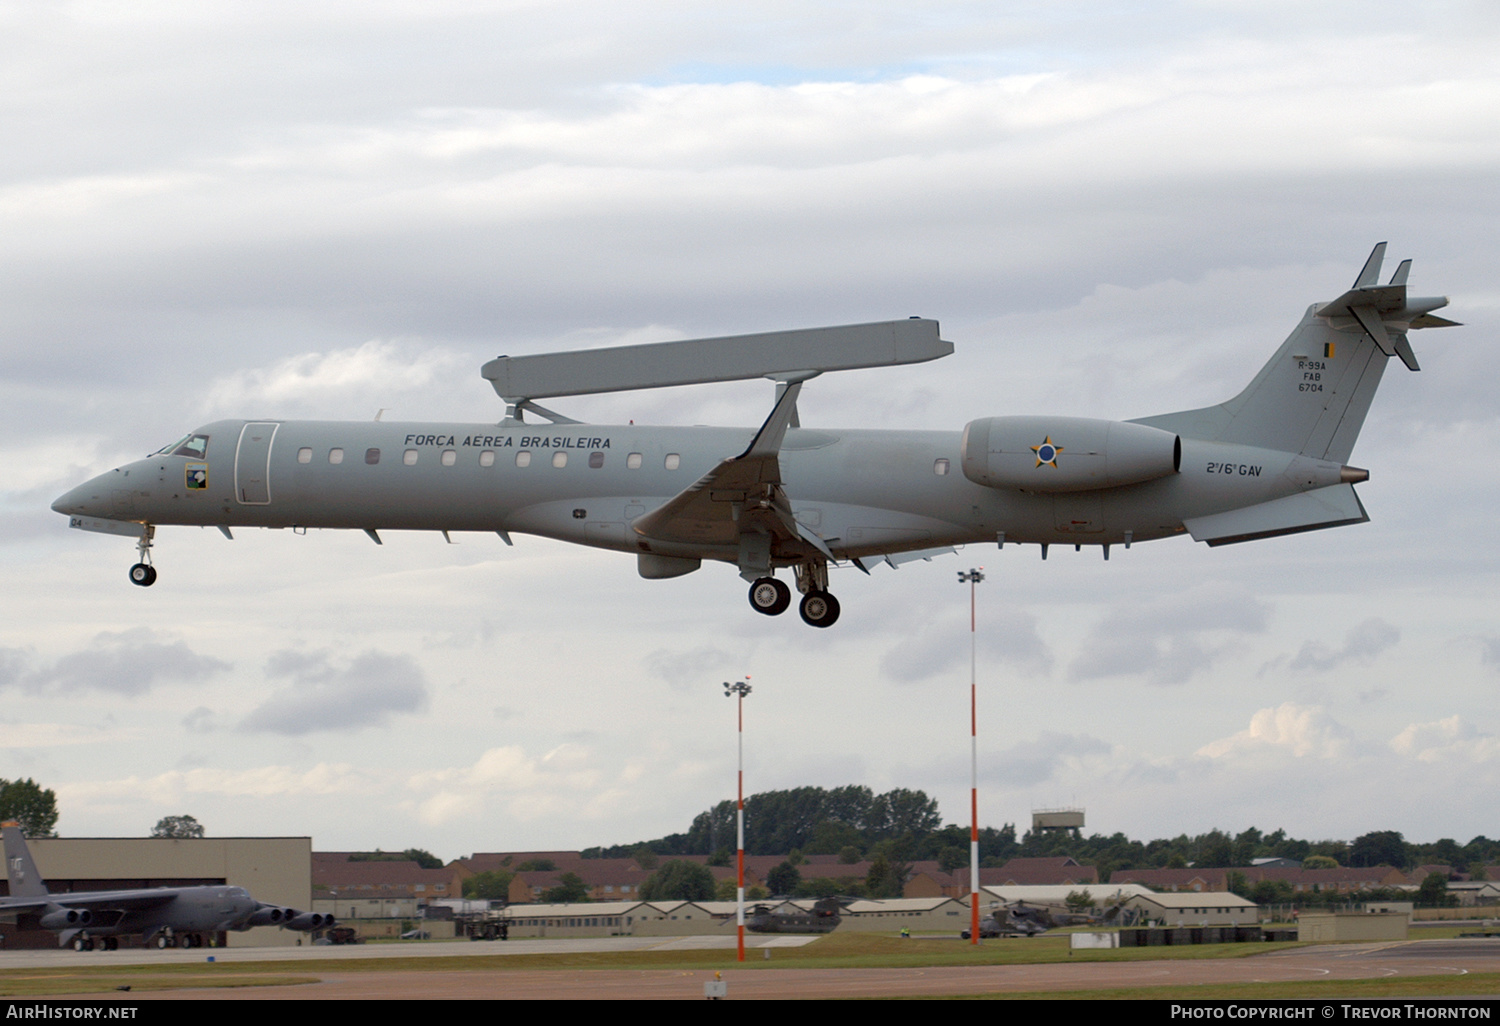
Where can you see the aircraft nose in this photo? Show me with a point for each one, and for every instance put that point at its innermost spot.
(72, 503)
(96, 497)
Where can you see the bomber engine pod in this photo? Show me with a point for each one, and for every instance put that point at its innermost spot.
(1066, 454)
(64, 918)
(270, 915)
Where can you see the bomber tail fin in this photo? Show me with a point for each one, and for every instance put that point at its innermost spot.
(1312, 397)
(25, 881)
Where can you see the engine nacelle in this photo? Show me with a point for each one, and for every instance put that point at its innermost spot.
(66, 918)
(270, 915)
(309, 921)
(1066, 454)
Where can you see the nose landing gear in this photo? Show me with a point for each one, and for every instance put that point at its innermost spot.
(143, 573)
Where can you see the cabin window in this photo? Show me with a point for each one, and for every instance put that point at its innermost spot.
(335, 455)
(450, 457)
(633, 461)
(673, 461)
(372, 456)
(304, 454)
(487, 458)
(560, 459)
(596, 460)
(523, 459)
(940, 467)
(409, 457)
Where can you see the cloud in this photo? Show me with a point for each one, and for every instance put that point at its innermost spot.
(256, 782)
(200, 720)
(939, 645)
(693, 668)
(1289, 729)
(325, 697)
(1450, 740)
(12, 665)
(50, 735)
(1041, 760)
(1489, 651)
(336, 382)
(124, 662)
(1169, 641)
(1361, 645)
(527, 787)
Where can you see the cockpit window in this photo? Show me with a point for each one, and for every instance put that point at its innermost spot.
(191, 446)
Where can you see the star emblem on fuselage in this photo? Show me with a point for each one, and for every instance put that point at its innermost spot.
(1046, 453)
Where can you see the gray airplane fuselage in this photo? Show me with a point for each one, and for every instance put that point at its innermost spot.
(865, 492)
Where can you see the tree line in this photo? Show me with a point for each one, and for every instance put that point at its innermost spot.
(905, 826)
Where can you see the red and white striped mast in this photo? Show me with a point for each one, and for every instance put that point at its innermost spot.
(740, 689)
(971, 578)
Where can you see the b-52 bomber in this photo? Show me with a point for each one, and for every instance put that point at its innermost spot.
(1270, 461)
(163, 916)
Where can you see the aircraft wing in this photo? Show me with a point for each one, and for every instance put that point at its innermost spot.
(742, 495)
(94, 901)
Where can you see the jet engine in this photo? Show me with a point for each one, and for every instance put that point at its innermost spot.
(309, 921)
(66, 918)
(270, 915)
(1066, 454)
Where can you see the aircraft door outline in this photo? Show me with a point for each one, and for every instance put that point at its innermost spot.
(252, 463)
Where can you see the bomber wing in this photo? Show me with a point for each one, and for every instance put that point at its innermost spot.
(94, 901)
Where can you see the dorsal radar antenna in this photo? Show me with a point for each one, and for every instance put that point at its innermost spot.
(782, 356)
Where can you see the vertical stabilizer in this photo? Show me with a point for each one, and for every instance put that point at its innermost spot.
(1312, 397)
(25, 881)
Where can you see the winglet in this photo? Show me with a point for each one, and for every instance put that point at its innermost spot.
(772, 433)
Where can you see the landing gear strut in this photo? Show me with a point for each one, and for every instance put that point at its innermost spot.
(818, 608)
(770, 596)
(143, 573)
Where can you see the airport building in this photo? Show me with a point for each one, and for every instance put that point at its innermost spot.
(275, 870)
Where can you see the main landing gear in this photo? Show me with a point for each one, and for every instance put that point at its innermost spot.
(770, 596)
(143, 573)
(818, 607)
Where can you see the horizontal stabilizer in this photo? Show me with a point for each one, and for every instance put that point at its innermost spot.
(702, 360)
(1334, 506)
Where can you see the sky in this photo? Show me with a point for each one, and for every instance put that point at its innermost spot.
(270, 209)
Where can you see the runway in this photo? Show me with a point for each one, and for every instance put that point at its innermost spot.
(1331, 962)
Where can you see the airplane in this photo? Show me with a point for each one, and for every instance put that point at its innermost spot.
(163, 916)
(1271, 461)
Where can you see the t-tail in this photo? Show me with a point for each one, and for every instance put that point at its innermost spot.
(1312, 397)
(25, 881)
